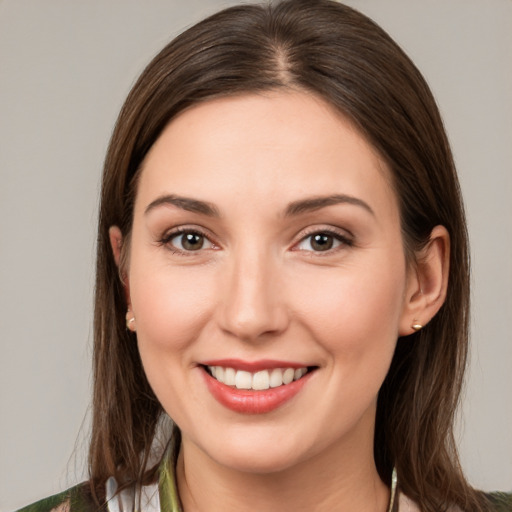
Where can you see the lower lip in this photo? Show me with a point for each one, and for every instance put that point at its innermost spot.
(253, 402)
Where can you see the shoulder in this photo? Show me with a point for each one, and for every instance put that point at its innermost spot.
(501, 501)
(76, 499)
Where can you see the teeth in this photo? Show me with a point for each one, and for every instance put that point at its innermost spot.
(276, 378)
(299, 372)
(258, 381)
(229, 376)
(261, 380)
(243, 380)
(219, 373)
(288, 375)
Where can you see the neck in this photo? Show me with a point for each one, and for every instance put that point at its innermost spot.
(325, 483)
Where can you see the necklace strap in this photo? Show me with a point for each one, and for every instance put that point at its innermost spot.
(393, 502)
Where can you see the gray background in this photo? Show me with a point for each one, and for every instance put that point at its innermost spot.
(65, 68)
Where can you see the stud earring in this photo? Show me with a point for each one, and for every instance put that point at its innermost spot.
(130, 321)
(417, 327)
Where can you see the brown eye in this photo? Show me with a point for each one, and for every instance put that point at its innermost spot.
(190, 241)
(322, 242)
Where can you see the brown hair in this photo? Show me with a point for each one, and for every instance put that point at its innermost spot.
(335, 52)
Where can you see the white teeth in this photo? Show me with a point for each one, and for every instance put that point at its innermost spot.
(298, 373)
(229, 376)
(261, 380)
(243, 380)
(276, 378)
(288, 375)
(219, 373)
(257, 381)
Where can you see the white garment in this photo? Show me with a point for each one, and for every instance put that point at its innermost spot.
(406, 505)
(128, 500)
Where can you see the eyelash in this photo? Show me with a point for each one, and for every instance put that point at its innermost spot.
(340, 237)
(166, 240)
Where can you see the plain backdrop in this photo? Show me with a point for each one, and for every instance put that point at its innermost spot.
(65, 69)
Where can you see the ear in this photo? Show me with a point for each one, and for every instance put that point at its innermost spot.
(116, 242)
(427, 282)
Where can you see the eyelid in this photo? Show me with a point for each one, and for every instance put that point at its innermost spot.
(168, 235)
(343, 236)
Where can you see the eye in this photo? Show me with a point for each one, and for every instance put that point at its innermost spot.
(322, 241)
(188, 241)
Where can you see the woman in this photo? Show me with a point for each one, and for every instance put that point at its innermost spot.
(283, 270)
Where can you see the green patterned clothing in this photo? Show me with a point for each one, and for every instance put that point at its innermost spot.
(163, 497)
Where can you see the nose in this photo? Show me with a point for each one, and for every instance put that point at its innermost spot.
(253, 308)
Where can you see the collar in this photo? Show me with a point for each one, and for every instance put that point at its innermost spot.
(167, 486)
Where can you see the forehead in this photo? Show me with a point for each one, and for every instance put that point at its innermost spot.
(262, 147)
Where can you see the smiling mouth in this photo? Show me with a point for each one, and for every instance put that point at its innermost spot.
(257, 381)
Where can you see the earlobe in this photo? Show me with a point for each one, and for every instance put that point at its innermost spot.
(427, 283)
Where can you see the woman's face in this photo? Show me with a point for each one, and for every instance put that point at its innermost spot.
(266, 243)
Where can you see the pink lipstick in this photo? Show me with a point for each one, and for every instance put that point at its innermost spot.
(254, 387)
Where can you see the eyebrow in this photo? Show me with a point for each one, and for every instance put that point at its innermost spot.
(295, 208)
(316, 203)
(185, 203)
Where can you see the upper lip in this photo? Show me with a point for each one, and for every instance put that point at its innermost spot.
(253, 366)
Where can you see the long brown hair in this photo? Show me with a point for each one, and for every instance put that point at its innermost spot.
(335, 52)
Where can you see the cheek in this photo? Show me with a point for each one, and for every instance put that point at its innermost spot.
(353, 308)
(170, 304)
(353, 314)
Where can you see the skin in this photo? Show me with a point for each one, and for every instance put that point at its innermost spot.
(258, 289)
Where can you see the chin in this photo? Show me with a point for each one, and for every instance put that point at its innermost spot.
(259, 463)
(258, 454)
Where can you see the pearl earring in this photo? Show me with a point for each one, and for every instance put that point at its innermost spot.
(130, 321)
